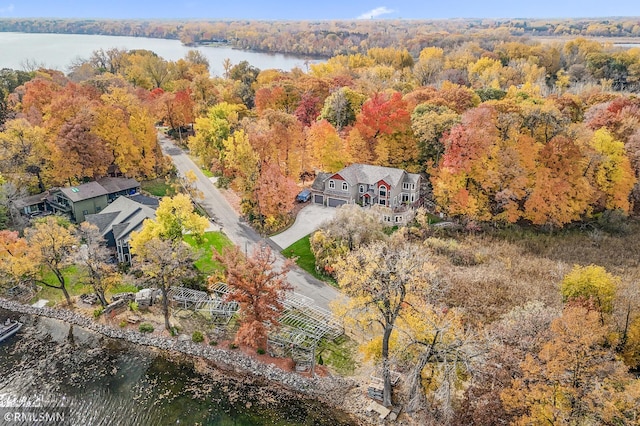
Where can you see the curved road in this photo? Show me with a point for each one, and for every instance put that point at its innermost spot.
(239, 232)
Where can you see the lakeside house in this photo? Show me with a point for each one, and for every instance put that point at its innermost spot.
(395, 190)
(77, 202)
(119, 219)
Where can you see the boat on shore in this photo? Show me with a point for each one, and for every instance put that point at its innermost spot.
(8, 329)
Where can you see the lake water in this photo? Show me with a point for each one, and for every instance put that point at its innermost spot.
(101, 381)
(58, 51)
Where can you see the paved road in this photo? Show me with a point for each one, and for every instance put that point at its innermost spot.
(240, 233)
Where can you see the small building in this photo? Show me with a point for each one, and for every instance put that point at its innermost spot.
(367, 185)
(118, 220)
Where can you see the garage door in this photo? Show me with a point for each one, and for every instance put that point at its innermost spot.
(318, 199)
(335, 202)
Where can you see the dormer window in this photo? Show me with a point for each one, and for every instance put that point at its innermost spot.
(362, 189)
(408, 186)
(345, 186)
(332, 184)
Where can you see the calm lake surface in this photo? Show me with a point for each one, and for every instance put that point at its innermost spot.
(58, 51)
(103, 381)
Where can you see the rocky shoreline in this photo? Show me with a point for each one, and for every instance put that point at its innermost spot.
(331, 390)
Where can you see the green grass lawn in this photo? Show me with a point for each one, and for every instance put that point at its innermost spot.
(157, 187)
(301, 250)
(339, 354)
(210, 240)
(73, 285)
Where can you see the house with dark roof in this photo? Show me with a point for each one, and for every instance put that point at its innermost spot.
(118, 220)
(78, 201)
(368, 185)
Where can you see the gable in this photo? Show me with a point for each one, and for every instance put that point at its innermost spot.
(382, 182)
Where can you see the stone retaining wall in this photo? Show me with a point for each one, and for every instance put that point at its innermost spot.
(231, 360)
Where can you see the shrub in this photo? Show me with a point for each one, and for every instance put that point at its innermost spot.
(123, 323)
(260, 351)
(145, 327)
(197, 337)
(233, 346)
(97, 312)
(134, 306)
(213, 342)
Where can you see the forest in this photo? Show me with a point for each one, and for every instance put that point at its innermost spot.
(330, 38)
(526, 310)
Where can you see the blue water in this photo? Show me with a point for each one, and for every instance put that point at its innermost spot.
(59, 51)
(102, 381)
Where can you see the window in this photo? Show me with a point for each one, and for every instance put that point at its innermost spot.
(409, 186)
(383, 191)
(383, 202)
(332, 184)
(413, 197)
(398, 219)
(386, 218)
(85, 212)
(362, 189)
(345, 186)
(405, 197)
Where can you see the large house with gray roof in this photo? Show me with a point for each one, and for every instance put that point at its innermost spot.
(367, 185)
(118, 220)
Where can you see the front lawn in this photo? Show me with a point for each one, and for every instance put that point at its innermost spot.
(301, 250)
(157, 187)
(210, 240)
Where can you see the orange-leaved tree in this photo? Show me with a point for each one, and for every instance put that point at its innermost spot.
(260, 290)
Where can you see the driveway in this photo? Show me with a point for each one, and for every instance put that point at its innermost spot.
(308, 220)
(240, 233)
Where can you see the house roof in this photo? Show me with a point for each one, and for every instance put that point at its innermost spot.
(86, 191)
(122, 217)
(146, 200)
(318, 183)
(117, 184)
(30, 200)
(366, 174)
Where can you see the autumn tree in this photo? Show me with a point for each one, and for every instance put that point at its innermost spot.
(327, 146)
(613, 175)
(590, 283)
(16, 265)
(94, 258)
(211, 131)
(429, 124)
(241, 162)
(174, 218)
(164, 263)
(574, 378)
(259, 288)
(274, 195)
(351, 228)
(341, 107)
(377, 278)
(519, 332)
(24, 153)
(77, 152)
(52, 244)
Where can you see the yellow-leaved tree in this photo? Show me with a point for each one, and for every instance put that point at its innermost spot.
(165, 260)
(174, 218)
(377, 278)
